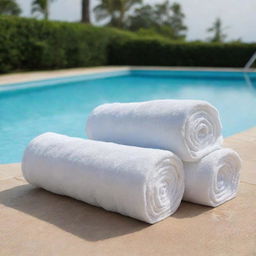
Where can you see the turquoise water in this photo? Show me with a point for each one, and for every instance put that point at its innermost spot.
(64, 106)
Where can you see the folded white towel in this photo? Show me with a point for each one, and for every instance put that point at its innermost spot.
(147, 184)
(214, 179)
(189, 128)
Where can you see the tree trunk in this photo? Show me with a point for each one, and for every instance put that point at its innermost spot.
(46, 11)
(85, 11)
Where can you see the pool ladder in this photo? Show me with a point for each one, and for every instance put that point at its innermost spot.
(247, 69)
(249, 63)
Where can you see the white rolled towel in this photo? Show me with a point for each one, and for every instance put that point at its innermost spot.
(146, 184)
(214, 179)
(189, 128)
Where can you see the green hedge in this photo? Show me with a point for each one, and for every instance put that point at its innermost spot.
(165, 53)
(29, 44)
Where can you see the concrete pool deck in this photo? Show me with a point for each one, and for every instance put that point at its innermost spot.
(38, 75)
(36, 222)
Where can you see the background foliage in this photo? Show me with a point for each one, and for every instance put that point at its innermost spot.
(162, 52)
(29, 44)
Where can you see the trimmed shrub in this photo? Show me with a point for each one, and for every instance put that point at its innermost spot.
(159, 52)
(29, 44)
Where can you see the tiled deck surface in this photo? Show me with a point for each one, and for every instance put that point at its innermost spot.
(36, 222)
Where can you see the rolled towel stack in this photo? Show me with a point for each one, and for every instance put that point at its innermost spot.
(131, 162)
(189, 128)
(214, 179)
(146, 184)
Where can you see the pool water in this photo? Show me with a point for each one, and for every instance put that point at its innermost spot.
(64, 106)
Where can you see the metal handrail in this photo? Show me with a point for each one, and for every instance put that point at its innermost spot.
(250, 62)
(249, 82)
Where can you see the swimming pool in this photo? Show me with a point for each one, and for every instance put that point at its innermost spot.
(62, 105)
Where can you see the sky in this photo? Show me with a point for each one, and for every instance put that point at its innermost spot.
(238, 16)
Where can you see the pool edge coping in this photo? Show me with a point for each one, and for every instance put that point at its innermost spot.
(23, 77)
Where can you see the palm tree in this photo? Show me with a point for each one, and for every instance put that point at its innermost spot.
(85, 11)
(115, 9)
(163, 12)
(217, 30)
(105, 9)
(165, 19)
(176, 21)
(9, 7)
(41, 6)
(142, 18)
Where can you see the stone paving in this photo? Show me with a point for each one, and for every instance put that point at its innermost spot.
(36, 222)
